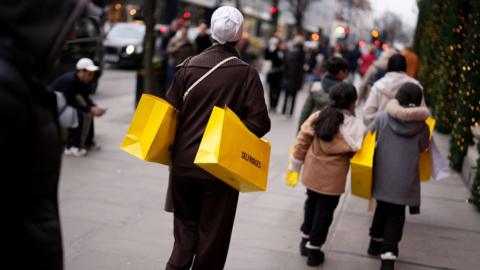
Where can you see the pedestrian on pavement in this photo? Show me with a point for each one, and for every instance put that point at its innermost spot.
(413, 63)
(76, 87)
(337, 71)
(32, 37)
(203, 206)
(324, 47)
(367, 60)
(353, 55)
(374, 73)
(324, 146)
(274, 75)
(402, 135)
(294, 73)
(246, 50)
(179, 48)
(165, 80)
(202, 41)
(175, 25)
(387, 87)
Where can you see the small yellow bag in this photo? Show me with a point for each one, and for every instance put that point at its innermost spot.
(425, 162)
(362, 167)
(230, 152)
(292, 177)
(152, 130)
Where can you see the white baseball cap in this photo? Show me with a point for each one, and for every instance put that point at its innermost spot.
(87, 64)
(226, 24)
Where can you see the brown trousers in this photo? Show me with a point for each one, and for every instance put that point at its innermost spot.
(204, 211)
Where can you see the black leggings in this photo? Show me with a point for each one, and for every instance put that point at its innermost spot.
(388, 222)
(319, 209)
(289, 96)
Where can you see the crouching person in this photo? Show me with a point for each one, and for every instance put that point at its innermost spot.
(76, 87)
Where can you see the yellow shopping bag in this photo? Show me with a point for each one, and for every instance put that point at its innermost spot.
(425, 162)
(362, 167)
(152, 130)
(230, 152)
(292, 177)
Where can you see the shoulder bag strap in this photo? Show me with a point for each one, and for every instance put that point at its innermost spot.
(206, 75)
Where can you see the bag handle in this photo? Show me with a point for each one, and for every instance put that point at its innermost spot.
(206, 75)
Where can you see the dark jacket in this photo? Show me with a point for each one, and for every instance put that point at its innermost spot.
(234, 84)
(275, 73)
(276, 56)
(202, 42)
(71, 87)
(31, 37)
(293, 73)
(317, 97)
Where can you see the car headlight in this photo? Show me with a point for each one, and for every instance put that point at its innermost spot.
(130, 49)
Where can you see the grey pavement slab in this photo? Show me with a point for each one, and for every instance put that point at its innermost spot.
(112, 214)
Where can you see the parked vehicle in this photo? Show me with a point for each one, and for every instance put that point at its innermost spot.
(85, 40)
(124, 44)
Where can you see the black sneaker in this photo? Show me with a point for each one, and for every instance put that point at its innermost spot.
(303, 248)
(315, 257)
(374, 248)
(387, 265)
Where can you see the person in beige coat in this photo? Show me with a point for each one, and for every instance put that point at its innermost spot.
(324, 146)
(387, 87)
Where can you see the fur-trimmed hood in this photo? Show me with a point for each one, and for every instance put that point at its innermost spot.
(406, 121)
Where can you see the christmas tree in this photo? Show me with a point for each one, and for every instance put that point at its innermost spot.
(448, 56)
(476, 185)
(470, 111)
(426, 43)
(463, 83)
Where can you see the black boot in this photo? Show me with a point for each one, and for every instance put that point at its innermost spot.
(303, 249)
(315, 256)
(374, 247)
(387, 265)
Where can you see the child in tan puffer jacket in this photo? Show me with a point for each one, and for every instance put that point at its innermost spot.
(325, 144)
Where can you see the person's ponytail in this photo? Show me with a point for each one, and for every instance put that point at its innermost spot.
(328, 123)
(342, 95)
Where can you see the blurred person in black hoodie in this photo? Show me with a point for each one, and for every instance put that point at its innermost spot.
(33, 33)
(202, 41)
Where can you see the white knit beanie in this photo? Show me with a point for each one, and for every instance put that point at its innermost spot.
(226, 24)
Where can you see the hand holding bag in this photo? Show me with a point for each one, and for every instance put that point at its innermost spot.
(152, 131)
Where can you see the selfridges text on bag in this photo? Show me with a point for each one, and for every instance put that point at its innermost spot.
(232, 153)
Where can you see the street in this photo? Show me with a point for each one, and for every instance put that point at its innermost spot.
(111, 207)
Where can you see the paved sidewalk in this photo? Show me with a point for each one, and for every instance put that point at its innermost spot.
(112, 210)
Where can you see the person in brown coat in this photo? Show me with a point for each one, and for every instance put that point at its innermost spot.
(204, 206)
(324, 145)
